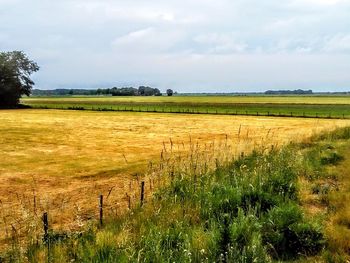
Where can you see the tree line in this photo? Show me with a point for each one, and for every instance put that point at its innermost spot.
(288, 92)
(123, 91)
(16, 69)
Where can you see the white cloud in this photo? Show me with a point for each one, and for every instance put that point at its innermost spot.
(220, 43)
(146, 40)
(318, 2)
(194, 43)
(338, 43)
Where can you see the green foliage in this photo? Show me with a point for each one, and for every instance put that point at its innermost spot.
(332, 158)
(246, 211)
(288, 235)
(15, 71)
(339, 134)
(169, 92)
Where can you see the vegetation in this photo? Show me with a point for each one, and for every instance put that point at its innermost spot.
(64, 159)
(244, 210)
(15, 71)
(169, 92)
(124, 91)
(288, 92)
(312, 107)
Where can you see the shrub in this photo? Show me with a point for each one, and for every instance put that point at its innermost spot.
(288, 235)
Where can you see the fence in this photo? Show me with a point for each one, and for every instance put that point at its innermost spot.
(322, 115)
(32, 216)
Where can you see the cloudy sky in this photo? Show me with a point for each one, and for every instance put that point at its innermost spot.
(188, 45)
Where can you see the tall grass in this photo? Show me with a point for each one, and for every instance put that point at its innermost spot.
(214, 208)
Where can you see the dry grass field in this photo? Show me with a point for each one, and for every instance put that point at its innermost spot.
(60, 161)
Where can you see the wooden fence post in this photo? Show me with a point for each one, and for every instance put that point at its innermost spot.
(142, 192)
(34, 204)
(46, 227)
(101, 209)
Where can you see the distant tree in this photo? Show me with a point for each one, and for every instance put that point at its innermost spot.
(148, 91)
(126, 91)
(15, 71)
(141, 90)
(169, 92)
(157, 92)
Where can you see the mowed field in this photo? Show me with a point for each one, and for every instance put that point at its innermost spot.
(291, 106)
(60, 161)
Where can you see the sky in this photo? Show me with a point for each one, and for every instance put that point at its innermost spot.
(186, 45)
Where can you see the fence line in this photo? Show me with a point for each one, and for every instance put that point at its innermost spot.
(325, 115)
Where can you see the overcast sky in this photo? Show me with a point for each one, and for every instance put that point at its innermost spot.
(188, 45)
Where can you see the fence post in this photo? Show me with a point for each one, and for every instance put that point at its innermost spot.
(101, 209)
(34, 204)
(142, 192)
(46, 227)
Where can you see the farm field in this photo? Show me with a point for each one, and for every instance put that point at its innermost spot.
(60, 161)
(297, 106)
(263, 99)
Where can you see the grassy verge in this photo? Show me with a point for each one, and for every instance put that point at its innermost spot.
(326, 192)
(269, 206)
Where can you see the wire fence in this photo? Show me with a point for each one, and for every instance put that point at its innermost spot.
(30, 216)
(181, 110)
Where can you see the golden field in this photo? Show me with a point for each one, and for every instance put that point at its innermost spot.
(60, 161)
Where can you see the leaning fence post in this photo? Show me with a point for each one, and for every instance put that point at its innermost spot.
(142, 192)
(46, 227)
(101, 209)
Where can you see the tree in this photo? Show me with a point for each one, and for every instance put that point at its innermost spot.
(15, 71)
(169, 92)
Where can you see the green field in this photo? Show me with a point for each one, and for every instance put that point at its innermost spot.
(301, 106)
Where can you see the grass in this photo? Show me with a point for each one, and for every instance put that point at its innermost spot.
(250, 209)
(322, 107)
(60, 161)
(329, 191)
(204, 99)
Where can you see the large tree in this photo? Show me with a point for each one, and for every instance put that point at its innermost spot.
(169, 92)
(15, 71)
